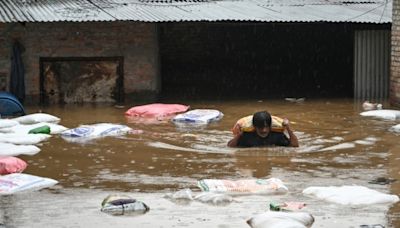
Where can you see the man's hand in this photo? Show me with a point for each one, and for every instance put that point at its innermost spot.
(292, 137)
(286, 123)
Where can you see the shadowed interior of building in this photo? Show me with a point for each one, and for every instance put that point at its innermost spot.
(255, 60)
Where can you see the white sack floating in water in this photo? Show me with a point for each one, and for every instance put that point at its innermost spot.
(23, 139)
(37, 118)
(214, 198)
(351, 195)
(395, 128)
(246, 186)
(199, 116)
(279, 219)
(384, 114)
(93, 131)
(185, 196)
(17, 182)
(8, 149)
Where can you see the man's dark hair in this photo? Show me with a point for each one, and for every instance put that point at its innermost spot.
(262, 119)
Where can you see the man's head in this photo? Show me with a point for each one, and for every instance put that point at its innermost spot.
(262, 123)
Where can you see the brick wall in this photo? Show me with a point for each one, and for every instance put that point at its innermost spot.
(395, 61)
(136, 42)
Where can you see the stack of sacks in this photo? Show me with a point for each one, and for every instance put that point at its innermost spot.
(7, 145)
(14, 133)
(18, 136)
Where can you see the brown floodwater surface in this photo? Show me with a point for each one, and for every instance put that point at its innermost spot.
(165, 158)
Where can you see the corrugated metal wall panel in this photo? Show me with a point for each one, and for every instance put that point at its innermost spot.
(371, 64)
(378, 11)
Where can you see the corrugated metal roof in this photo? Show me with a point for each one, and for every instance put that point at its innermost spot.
(360, 11)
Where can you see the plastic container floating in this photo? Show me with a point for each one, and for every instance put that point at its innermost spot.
(10, 105)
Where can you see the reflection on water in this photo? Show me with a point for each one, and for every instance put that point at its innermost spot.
(338, 147)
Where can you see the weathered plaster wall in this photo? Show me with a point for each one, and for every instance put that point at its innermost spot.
(395, 61)
(136, 42)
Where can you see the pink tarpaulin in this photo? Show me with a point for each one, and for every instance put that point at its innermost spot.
(156, 110)
(11, 165)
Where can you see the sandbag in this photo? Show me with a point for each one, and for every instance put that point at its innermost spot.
(8, 149)
(156, 110)
(185, 196)
(25, 128)
(281, 219)
(181, 195)
(198, 116)
(395, 128)
(87, 132)
(245, 124)
(383, 114)
(351, 195)
(367, 106)
(247, 186)
(37, 118)
(214, 198)
(23, 139)
(17, 182)
(11, 165)
(6, 123)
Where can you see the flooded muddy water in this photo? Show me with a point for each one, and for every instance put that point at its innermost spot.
(166, 158)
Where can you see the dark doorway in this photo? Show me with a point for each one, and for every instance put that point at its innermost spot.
(81, 80)
(256, 60)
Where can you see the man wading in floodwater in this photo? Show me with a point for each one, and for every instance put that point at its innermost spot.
(263, 136)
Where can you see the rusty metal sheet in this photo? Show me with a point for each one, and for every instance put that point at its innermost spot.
(67, 81)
